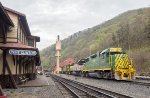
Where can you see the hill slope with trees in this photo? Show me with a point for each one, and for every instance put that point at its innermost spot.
(129, 30)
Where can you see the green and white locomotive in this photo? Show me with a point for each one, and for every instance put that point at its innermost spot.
(111, 63)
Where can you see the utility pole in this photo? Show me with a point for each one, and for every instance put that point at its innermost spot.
(57, 55)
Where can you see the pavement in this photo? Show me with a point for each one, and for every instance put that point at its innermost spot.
(42, 87)
(41, 80)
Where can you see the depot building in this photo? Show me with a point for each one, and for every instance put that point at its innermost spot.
(18, 53)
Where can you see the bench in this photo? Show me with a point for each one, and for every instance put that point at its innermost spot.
(23, 79)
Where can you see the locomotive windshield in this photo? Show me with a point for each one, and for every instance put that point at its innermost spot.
(113, 53)
(106, 54)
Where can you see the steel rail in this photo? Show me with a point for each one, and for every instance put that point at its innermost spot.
(77, 91)
(107, 92)
(94, 91)
(127, 81)
(138, 83)
(74, 95)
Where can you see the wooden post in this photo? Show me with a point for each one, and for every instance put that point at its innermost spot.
(32, 69)
(20, 62)
(16, 65)
(11, 76)
(22, 65)
(4, 59)
(4, 32)
(17, 57)
(1, 92)
(4, 67)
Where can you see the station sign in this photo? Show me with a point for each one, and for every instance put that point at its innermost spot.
(22, 52)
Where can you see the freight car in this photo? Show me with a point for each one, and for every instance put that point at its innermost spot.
(66, 66)
(77, 68)
(111, 63)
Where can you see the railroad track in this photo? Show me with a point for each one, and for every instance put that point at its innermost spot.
(64, 90)
(143, 77)
(80, 90)
(137, 82)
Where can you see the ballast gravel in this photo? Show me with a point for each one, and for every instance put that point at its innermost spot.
(126, 88)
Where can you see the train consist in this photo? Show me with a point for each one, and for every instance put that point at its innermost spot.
(111, 63)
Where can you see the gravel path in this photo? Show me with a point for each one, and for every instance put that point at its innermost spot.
(49, 91)
(136, 91)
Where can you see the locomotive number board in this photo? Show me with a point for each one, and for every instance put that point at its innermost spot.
(115, 50)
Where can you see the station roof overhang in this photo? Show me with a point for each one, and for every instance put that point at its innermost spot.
(16, 46)
(34, 37)
(19, 46)
(5, 16)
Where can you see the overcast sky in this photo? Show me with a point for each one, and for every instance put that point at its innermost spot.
(49, 18)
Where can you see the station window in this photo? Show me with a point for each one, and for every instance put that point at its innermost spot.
(113, 53)
(31, 42)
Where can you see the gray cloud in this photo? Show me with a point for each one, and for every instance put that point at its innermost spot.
(48, 18)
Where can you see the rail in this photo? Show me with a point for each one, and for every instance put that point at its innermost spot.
(84, 90)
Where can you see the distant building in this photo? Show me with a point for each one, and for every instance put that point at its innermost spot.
(18, 53)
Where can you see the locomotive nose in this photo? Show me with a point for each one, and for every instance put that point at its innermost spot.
(123, 67)
(122, 61)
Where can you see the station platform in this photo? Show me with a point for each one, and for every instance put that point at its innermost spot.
(41, 87)
(40, 81)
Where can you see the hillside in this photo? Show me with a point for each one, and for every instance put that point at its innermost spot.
(129, 30)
